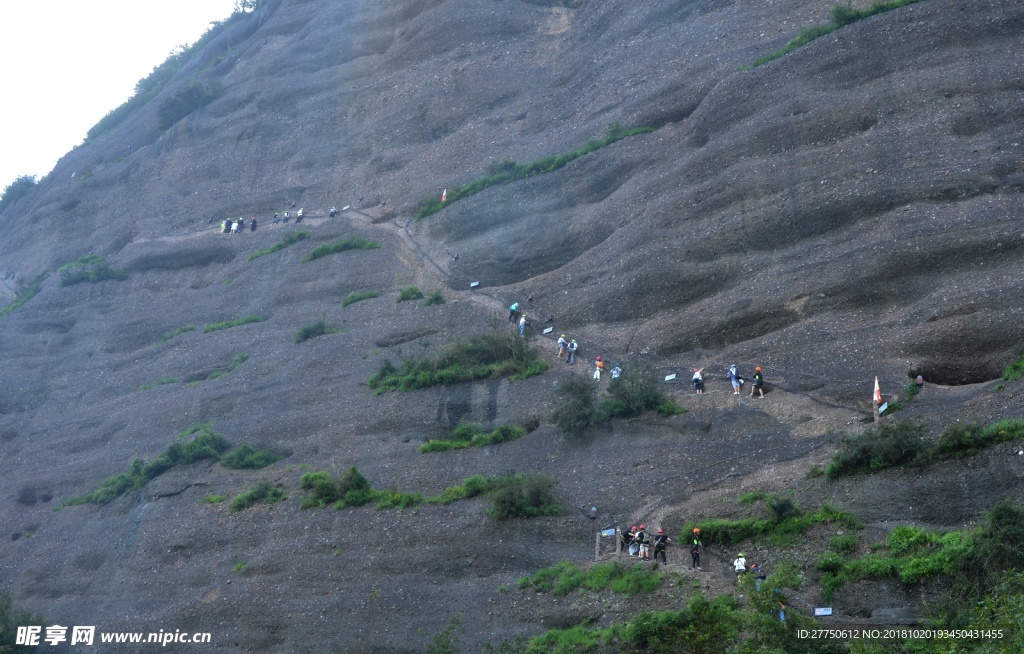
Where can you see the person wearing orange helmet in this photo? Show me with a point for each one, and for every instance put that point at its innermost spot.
(758, 382)
(696, 547)
(598, 367)
(661, 542)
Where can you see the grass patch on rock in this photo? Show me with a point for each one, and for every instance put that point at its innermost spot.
(291, 239)
(24, 294)
(326, 249)
(633, 393)
(491, 355)
(177, 332)
(566, 577)
(321, 328)
(352, 298)
(467, 435)
(434, 299)
(263, 492)
(409, 293)
(91, 268)
(228, 324)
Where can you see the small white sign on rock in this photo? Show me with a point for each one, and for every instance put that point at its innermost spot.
(346, 207)
(669, 378)
(549, 330)
(474, 284)
(825, 610)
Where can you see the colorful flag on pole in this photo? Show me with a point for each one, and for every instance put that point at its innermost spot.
(878, 392)
(444, 195)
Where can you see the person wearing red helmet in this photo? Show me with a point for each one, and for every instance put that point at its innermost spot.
(696, 547)
(758, 382)
(644, 539)
(661, 541)
(598, 367)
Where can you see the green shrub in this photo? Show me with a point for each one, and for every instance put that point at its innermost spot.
(13, 616)
(577, 409)
(228, 324)
(177, 332)
(291, 239)
(516, 495)
(845, 544)
(352, 298)
(263, 491)
(496, 354)
(246, 457)
(324, 489)
(354, 243)
(19, 188)
(1014, 371)
(321, 328)
(752, 497)
(961, 439)
(410, 293)
(780, 530)
(91, 268)
(447, 641)
(507, 171)
(465, 436)
(214, 499)
(565, 577)
(186, 100)
(887, 446)
(434, 299)
(205, 445)
(634, 392)
(238, 567)
(162, 382)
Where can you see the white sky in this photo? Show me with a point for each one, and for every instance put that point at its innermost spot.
(65, 63)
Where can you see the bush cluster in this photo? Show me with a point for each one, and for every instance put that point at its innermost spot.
(435, 298)
(471, 436)
(13, 616)
(263, 491)
(186, 100)
(17, 189)
(24, 294)
(903, 443)
(354, 243)
(321, 328)
(291, 239)
(204, 445)
(630, 395)
(247, 457)
(497, 354)
(784, 527)
(91, 268)
(508, 171)
(409, 293)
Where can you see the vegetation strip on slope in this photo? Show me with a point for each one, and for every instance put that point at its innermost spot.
(24, 294)
(467, 435)
(206, 444)
(321, 328)
(289, 240)
(513, 495)
(326, 249)
(496, 354)
(352, 298)
(228, 324)
(91, 268)
(630, 395)
(507, 171)
(841, 15)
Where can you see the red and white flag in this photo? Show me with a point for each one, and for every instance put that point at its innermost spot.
(444, 195)
(878, 392)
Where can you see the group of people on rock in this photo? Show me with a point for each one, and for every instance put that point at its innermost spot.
(638, 541)
(735, 379)
(236, 225)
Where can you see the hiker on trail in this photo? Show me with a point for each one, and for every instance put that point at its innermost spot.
(334, 211)
(598, 367)
(224, 229)
(286, 217)
(522, 325)
(740, 566)
(298, 216)
(513, 312)
(616, 372)
(696, 547)
(758, 382)
(252, 225)
(698, 380)
(919, 382)
(661, 543)
(759, 575)
(562, 343)
(734, 377)
(644, 539)
(277, 217)
(234, 226)
(634, 546)
(572, 352)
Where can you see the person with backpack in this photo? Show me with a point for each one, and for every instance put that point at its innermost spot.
(616, 372)
(758, 382)
(277, 217)
(562, 344)
(696, 547)
(298, 216)
(286, 217)
(759, 575)
(740, 566)
(598, 367)
(634, 546)
(572, 352)
(522, 326)
(234, 226)
(644, 539)
(252, 225)
(513, 312)
(334, 211)
(224, 229)
(661, 543)
(734, 377)
(698, 380)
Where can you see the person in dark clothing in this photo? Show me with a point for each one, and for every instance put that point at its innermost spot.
(696, 547)
(758, 382)
(661, 542)
(252, 225)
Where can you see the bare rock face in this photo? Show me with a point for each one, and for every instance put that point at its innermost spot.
(850, 210)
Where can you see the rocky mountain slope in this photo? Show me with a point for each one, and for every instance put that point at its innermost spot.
(850, 210)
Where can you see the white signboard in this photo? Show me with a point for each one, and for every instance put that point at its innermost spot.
(549, 330)
(670, 377)
(823, 611)
(474, 284)
(608, 533)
